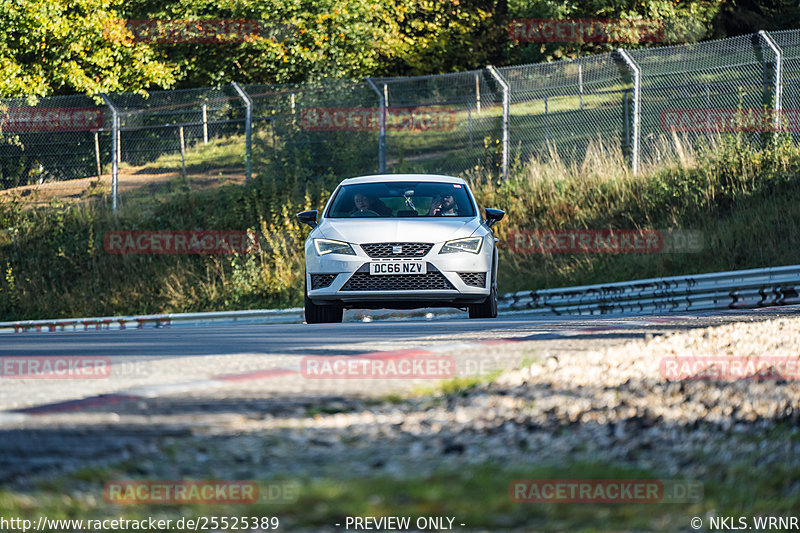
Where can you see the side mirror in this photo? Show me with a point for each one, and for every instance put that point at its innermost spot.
(493, 216)
(308, 217)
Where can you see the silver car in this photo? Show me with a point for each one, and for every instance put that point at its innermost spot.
(400, 241)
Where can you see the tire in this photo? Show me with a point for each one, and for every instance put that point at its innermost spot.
(487, 309)
(321, 314)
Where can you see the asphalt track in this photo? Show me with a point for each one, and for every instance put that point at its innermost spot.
(342, 339)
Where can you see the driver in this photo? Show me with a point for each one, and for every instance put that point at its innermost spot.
(363, 203)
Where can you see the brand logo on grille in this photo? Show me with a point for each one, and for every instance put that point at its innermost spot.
(397, 249)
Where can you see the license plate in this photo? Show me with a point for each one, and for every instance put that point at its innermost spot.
(398, 267)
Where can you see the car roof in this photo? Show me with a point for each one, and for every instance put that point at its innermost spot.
(378, 178)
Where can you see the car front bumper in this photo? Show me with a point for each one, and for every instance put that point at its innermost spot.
(451, 280)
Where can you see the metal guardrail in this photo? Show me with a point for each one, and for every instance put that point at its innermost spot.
(738, 289)
(262, 316)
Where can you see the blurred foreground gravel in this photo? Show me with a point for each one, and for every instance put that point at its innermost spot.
(573, 402)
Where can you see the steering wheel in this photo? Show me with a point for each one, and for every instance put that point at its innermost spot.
(365, 213)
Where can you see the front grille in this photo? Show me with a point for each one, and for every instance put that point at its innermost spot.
(320, 281)
(475, 279)
(432, 281)
(384, 249)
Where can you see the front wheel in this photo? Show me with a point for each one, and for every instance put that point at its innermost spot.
(487, 309)
(321, 314)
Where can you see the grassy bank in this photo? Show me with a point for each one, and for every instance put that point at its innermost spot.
(745, 201)
(477, 496)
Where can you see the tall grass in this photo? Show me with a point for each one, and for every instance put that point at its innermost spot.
(745, 199)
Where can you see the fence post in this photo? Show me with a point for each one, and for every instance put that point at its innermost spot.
(248, 131)
(777, 103)
(478, 92)
(382, 122)
(637, 99)
(205, 123)
(97, 154)
(626, 113)
(183, 151)
(469, 121)
(114, 151)
(506, 115)
(546, 123)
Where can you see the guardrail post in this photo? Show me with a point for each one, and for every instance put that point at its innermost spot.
(637, 100)
(777, 98)
(506, 115)
(114, 152)
(248, 131)
(382, 126)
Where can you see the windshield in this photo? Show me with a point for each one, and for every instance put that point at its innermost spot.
(402, 199)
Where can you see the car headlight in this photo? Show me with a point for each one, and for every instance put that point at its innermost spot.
(470, 244)
(327, 246)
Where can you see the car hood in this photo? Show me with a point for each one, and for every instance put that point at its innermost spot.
(364, 230)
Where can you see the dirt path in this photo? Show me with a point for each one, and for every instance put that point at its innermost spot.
(142, 180)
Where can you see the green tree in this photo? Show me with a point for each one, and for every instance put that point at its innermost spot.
(67, 46)
(314, 39)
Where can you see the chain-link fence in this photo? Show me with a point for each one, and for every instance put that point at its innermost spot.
(136, 146)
